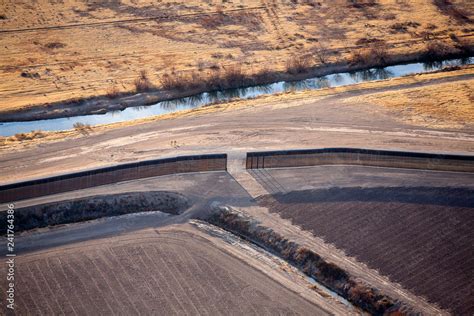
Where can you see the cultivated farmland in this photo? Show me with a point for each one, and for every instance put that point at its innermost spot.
(168, 271)
(421, 237)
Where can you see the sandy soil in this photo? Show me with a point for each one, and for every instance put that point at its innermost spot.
(81, 49)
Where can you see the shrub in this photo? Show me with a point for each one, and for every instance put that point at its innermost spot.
(28, 136)
(82, 128)
(55, 45)
(113, 92)
(438, 50)
(299, 64)
(362, 3)
(20, 136)
(369, 41)
(223, 78)
(217, 55)
(142, 83)
(427, 36)
(231, 77)
(228, 77)
(37, 134)
(466, 46)
(363, 57)
(180, 81)
(322, 54)
(402, 27)
(454, 37)
(31, 75)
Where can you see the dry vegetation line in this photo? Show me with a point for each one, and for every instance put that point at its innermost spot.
(334, 255)
(363, 295)
(97, 206)
(126, 21)
(275, 267)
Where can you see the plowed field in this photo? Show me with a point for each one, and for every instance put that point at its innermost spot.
(420, 237)
(164, 272)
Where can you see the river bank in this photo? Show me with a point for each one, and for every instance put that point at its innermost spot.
(106, 110)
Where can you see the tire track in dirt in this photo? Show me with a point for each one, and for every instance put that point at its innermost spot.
(124, 21)
(272, 61)
(272, 20)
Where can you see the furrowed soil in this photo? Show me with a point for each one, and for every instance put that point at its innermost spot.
(174, 270)
(420, 237)
(81, 49)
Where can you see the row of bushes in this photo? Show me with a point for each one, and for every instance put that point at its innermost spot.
(216, 79)
(220, 77)
(93, 207)
(82, 128)
(313, 265)
(435, 50)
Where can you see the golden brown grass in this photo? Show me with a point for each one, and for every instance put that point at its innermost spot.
(446, 105)
(88, 59)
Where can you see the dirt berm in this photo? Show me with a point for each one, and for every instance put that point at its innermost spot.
(357, 292)
(93, 207)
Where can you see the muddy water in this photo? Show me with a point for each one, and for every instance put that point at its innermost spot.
(164, 107)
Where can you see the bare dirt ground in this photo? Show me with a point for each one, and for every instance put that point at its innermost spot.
(173, 270)
(419, 237)
(79, 49)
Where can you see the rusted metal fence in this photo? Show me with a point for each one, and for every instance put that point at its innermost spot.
(95, 177)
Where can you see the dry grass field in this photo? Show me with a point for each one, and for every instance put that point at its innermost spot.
(445, 105)
(169, 271)
(70, 49)
(420, 237)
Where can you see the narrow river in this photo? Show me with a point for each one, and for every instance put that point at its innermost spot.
(131, 113)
